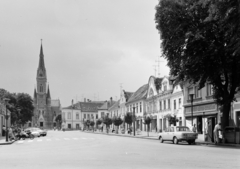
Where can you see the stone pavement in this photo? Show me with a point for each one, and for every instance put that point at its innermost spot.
(154, 136)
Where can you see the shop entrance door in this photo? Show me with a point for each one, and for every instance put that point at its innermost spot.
(238, 118)
(211, 124)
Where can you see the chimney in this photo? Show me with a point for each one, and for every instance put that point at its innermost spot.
(110, 100)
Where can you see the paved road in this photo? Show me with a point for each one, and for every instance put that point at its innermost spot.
(74, 149)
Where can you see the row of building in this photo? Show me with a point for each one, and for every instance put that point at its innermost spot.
(159, 98)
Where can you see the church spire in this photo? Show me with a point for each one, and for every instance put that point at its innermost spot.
(41, 59)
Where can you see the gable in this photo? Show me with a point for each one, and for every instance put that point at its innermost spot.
(152, 91)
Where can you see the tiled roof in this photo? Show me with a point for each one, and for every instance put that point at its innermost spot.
(75, 106)
(90, 106)
(127, 94)
(106, 105)
(115, 105)
(141, 93)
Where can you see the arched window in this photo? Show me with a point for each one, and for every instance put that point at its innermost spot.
(41, 88)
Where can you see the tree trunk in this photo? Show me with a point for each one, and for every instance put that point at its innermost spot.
(225, 115)
(148, 129)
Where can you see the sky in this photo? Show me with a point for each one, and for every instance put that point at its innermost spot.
(92, 48)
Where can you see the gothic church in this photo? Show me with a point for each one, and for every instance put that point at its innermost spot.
(45, 109)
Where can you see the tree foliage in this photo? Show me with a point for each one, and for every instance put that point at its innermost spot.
(201, 42)
(20, 105)
(171, 119)
(117, 121)
(99, 121)
(107, 121)
(128, 118)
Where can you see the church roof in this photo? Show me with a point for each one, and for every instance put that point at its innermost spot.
(55, 103)
(141, 93)
(48, 93)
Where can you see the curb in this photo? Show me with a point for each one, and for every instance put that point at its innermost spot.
(7, 143)
(149, 138)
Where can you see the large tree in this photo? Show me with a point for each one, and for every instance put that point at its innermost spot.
(117, 121)
(20, 106)
(201, 42)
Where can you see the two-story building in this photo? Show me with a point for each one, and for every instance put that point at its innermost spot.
(72, 117)
(137, 100)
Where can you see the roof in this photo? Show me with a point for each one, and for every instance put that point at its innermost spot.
(115, 105)
(127, 95)
(75, 106)
(106, 105)
(141, 93)
(90, 106)
(55, 103)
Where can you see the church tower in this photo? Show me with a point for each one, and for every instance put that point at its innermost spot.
(43, 116)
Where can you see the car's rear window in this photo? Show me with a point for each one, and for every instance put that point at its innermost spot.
(182, 129)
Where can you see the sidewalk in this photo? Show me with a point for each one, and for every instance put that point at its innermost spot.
(3, 141)
(154, 136)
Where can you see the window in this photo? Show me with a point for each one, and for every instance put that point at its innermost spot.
(69, 115)
(88, 116)
(164, 86)
(164, 104)
(169, 104)
(140, 106)
(96, 116)
(160, 105)
(92, 117)
(190, 91)
(175, 104)
(77, 116)
(84, 115)
(137, 108)
(102, 114)
(209, 89)
(197, 92)
(179, 102)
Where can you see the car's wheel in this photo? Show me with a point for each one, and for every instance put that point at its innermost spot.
(31, 136)
(160, 139)
(175, 140)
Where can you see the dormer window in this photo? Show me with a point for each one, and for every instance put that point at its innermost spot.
(164, 86)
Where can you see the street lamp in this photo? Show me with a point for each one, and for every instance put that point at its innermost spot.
(191, 97)
(72, 114)
(6, 100)
(134, 121)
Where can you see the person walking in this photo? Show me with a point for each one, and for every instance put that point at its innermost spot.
(3, 130)
(216, 130)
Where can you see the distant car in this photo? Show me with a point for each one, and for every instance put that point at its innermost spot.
(34, 131)
(178, 134)
(42, 131)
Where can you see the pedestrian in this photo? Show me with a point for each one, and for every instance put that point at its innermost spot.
(194, 129)
(216, 130)
(10, 134)
(3, 130)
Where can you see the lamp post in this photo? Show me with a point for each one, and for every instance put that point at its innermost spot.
(72, 114)
(6, 100)
(191, 97)
(134, 121)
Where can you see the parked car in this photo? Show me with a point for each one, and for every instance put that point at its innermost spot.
(42, 131)
(178, 134)
(34, 131)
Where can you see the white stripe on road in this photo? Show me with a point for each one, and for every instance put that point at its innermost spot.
(20, 141)
(48, 139)
(66, 138)
(30, 141)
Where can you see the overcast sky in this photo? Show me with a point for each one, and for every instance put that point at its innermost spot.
(90, 46)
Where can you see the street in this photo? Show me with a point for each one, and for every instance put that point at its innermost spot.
(76, 149)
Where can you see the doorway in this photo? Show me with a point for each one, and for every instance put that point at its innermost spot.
(238, 118)
(211, 123)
